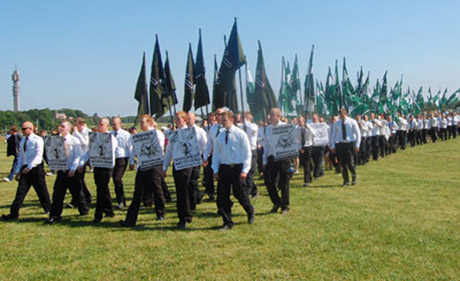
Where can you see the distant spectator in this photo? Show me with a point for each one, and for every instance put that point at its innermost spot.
(13, 150)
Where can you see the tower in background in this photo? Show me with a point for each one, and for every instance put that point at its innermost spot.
(16, 89)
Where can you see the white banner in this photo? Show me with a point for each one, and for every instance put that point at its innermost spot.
(147, 149)
(321, 134)
(284, 142)
(100, 150)
(185, 149)
(55, 153)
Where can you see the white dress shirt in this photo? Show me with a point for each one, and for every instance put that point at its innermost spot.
(363, 129)
(124, 146)
(434, 122)
(33, 156)
(376, 125)
(236, 150)
(308, 137)
(393, 127)
(403, 124)
(213, 132)
(73, 151)
(201, 138)
(419, 124)
(251, 130)
(352, 133)
(83, 137)
(413, 124)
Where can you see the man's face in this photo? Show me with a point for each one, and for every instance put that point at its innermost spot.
(191, 119)
(179, 122)
(274, 117)
(26, 129)
(144, 124)
(103, 126)
(218, 114)
(116, 124)
(227, 122)
(63, 129)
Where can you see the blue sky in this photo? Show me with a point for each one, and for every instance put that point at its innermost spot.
(87, 54)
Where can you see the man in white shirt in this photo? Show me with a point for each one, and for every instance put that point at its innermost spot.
(364, 130)
(392, 140)
(195, 194)
(433, 127)
(345, 139)
(375, 135)
(252, 131)
(213, 132)
(402, 131)
(231, 162)
(102, 178)
(81, 132)
(68, 178)
(412, 130)
(305, 134)
(277, 173)
(122, 153)
(29, 172)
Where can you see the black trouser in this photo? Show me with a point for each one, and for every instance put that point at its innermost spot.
(103, 199)
(118, 172)
(252, 188)
(277, 174)
(362, 154)
(449, 131)
(424, 135)
(418, 137)
(333, 158)
(368, 148)
(63, 181)
(317, 154)
(182, 181)
(86, 193)
(260, 160)
(443, 133)
(382, 145)
(305, 161)
(208, 175)
(375, 147)
(195, 194)
(229, 179)
(455, 131)
(36, 178)
(345, 153)
(392, 144)
(147, 180)
(432, 134)
(412, 138)
(402, 139)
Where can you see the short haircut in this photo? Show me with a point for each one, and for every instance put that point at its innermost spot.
(148, 118)
(182, 115)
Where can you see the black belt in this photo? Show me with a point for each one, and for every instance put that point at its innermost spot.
(231, 165)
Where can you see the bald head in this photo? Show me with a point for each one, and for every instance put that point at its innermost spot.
(275, 115)
(191, 119)
(27, 128)
(104, 125)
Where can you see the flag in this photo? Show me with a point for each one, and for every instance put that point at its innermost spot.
(263, 93)
(286, 96)
(169, 98)
(141, 93)
(225, 87)
(201, 87)
(250, 88)
(294, 84)
(309, 84)
(157, 82)
(189, 81)
(338, 98)
(347, 88)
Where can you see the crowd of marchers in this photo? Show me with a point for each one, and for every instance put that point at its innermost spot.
(233, 149)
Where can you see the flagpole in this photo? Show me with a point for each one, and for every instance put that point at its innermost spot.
(241, 95)
(281, 87)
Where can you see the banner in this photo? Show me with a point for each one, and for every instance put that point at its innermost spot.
(100, 150)
(55, 152)
(284, 142)
(185, 148)
(148, 149)
(321, 134)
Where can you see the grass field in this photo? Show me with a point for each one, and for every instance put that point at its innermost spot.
(401, 222)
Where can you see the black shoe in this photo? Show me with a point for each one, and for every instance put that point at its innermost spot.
(123, 223)
(255, 196)
(285, 211)
(199, 198)
(353, 181)
(346, 183)
(9, 217)
(182, 225)
(211, 197)
(168, 198)
(53, 220)
(226, 227)
(84, 213)
(97, 220)
(160, 218)
(274, 209)
(109, 215)
(251, 218)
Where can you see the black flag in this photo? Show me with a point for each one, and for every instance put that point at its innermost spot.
(263, 93)
(225, 87)
(188, 85)
(169, 97)
(141, 92)
(201, 88)
(157, 82)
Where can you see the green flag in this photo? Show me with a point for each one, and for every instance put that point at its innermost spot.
(263, 92)
(169, 98)
(250, 88)
(310, 85)
(141, 92)
(347, 88)
(189, 81)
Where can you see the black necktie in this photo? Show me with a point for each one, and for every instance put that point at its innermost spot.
(344, 131)
(115, 134)
(218, 130)
(227, 132)
(25, 144)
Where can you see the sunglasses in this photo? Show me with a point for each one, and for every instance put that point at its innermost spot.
(24, 129)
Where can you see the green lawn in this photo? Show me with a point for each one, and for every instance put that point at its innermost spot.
(401, 222)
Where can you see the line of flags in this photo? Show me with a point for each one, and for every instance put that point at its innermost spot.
(160, 97)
